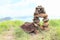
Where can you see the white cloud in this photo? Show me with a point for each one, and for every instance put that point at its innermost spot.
(6, 11)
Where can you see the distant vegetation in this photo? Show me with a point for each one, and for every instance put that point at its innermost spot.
(20, 34)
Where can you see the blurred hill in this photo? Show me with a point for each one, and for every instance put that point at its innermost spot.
(5, 18)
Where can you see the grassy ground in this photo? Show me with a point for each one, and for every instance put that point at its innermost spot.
(12, 31)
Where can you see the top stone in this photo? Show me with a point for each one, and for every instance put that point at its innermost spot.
(39, 9)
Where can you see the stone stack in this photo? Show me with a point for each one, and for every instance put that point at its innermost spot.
(40, 13)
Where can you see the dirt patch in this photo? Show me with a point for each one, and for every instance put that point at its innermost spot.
(8, 35)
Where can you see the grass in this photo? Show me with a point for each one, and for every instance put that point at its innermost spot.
(53, 34)
(6, 25)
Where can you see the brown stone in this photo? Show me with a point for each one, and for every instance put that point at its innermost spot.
(29, 27)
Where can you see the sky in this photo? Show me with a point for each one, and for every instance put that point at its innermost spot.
(20, 8)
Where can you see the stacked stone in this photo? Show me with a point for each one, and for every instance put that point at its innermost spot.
(39, 12)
